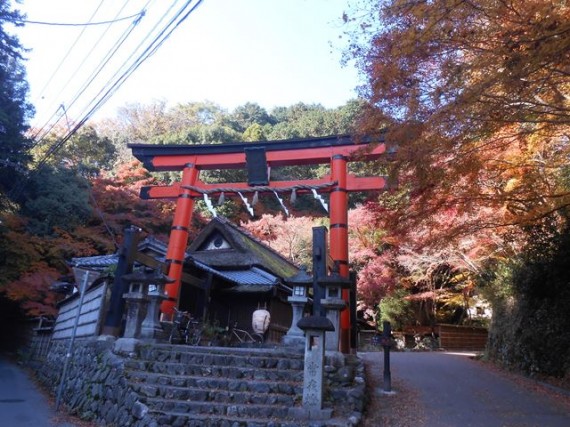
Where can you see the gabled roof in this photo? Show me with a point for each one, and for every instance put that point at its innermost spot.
(99, 262)
(103, 262)
(152, 244)
(240, 259)
(241, 251)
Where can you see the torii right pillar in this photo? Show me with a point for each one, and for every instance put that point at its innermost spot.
(339, 239)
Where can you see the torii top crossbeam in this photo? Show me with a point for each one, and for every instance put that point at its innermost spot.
(232, 155)
(258, 158)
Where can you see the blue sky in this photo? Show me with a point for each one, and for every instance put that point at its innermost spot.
(273, 52)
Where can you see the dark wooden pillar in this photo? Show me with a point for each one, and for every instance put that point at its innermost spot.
(127, 254)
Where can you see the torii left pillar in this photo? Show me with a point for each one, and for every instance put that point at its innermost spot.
(179, 238)
(339, 239)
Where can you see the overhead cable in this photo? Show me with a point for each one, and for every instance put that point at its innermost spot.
(56, 71)
(101, 97)
(84, 24)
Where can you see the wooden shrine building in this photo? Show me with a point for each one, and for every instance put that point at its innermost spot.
(239, 274)
(227, 275)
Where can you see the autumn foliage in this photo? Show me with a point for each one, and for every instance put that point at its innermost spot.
(32, 263)
(476, 98)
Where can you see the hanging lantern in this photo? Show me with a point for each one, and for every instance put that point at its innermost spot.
(260, 320)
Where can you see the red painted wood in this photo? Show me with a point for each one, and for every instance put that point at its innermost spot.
(337, 155)
(301, 156)
(353, 183)
(339, 238)
(179, 239)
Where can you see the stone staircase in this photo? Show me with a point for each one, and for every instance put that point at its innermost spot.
(216, 386)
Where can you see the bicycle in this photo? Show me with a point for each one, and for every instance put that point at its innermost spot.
(240, 336)
(185, 329)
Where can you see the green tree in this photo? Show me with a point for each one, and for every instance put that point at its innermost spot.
(55, 198)
(530, 294)
(249, 114)
(254, 133)
(397, 309)
(14, 108)
(85, 152)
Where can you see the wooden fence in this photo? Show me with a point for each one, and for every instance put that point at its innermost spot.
(90, 318)
(452, 337)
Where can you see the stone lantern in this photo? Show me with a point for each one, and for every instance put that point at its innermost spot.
(300, 283)
(333, 303)
(146, 292)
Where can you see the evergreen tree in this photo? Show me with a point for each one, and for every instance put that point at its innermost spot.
(14, 109)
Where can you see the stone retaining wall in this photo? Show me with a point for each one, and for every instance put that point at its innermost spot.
(96, 388)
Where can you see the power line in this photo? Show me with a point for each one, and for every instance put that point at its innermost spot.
(164, 34)
(104, 62)
(84, 24)
(53, 74)
(43, 132)
(112, 86)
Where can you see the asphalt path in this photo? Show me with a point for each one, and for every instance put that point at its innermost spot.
(21, 402)
(453, 390)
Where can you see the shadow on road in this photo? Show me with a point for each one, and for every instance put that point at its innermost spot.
(451, 389)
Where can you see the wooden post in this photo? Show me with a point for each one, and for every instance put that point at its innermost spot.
(339, 238)
(127, 253)
(179, 238)
(320, 258)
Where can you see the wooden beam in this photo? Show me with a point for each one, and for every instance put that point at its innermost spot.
(354, 183)
(305, 156)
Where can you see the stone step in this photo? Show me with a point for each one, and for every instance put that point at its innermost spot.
(224, 371)
(258, 358)
(175, 419)
(256, 386)
(196, 394)
(231, 387)
(248, 410)
(260, 362)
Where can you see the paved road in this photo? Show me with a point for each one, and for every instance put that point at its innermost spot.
(454, 390)
(21, 404)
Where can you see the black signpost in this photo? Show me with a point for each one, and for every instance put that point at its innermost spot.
(386, 344)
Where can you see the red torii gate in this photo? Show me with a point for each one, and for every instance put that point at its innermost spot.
(191, 159)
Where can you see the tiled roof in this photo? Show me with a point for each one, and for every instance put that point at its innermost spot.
(251, 276)
(95, 262)
(101, 262)
(245, 266)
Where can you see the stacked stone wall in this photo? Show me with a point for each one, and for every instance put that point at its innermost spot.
(95, 387)
(101, 386)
